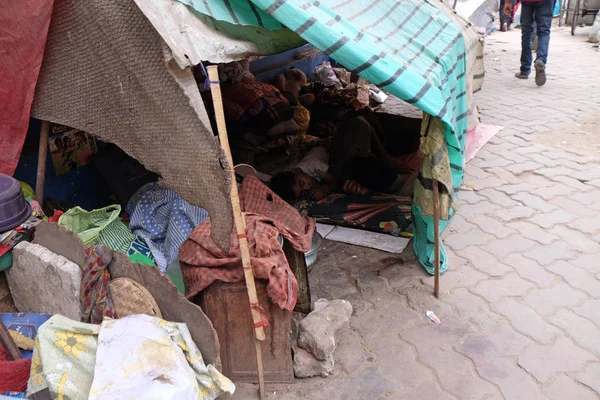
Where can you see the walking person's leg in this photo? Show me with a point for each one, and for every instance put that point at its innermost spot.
(512, 14)
(527, 9)
(504, 19)
(543, 19)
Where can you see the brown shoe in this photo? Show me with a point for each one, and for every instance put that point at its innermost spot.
(540, 73)
(521, 75)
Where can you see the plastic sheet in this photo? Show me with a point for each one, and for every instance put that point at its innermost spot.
(23, 31)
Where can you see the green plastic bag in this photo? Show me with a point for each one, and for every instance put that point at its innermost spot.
(104, 226)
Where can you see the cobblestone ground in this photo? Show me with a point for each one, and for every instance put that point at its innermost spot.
(520, 308)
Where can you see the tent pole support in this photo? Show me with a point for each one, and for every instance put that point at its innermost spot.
(436, 243)
(41, 165)
(240, 225)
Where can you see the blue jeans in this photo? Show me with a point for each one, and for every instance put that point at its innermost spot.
(535, 15)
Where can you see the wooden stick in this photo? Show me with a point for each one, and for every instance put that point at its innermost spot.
(41, 166)
(261, 370)
(240, 223)
(436, 243)
(9, 344)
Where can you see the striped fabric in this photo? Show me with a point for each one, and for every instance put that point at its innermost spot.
(409, 48)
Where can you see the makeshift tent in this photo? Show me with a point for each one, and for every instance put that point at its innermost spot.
(115, 69)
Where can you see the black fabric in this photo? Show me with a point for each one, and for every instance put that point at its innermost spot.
(399, 135)
(372, 173)
(123, 174)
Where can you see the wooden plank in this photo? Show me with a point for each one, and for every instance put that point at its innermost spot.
(8, 343)
(226, 304)
(298, 266)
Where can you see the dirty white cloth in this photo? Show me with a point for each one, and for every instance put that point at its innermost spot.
(142, 357)
(315, 163)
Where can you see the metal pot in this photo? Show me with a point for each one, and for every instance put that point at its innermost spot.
(311, 255)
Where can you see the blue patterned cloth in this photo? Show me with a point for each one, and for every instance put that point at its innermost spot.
(164, 220)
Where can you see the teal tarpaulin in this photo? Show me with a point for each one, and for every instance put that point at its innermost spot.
(409, 48)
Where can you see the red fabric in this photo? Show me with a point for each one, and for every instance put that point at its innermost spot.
(56, 216)
(267, 216)
(249, 97)
(13, 374)
(23, 31)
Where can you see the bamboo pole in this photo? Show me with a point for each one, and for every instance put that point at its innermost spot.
(436, 243)
(240, 224)
(41, 166)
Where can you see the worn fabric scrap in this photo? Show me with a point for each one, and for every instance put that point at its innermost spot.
(63, 360)
(96, 299)
(162, 363)
(164, 220)
(267, 216)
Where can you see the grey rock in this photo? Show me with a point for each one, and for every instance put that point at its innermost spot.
(317, 333)
(307, 366)
(43, 282)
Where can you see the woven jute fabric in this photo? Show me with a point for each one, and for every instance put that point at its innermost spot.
(131, 298)
(106, 71)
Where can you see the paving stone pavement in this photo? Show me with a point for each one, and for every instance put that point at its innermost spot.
(520, 303)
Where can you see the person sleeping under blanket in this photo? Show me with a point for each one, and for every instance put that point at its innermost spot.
(351, 167)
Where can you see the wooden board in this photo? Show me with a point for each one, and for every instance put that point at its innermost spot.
(298, 266)
(226, 304)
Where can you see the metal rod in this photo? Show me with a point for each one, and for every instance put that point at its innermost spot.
(436, 243)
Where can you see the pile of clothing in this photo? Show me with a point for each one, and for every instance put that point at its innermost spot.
(75, 360)
(267, 216)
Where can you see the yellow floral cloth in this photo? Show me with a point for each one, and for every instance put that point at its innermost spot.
(76, 361)
(63, 360)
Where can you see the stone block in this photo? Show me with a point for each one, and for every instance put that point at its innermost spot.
(317, 333)
(41, 281)
(307, 366)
